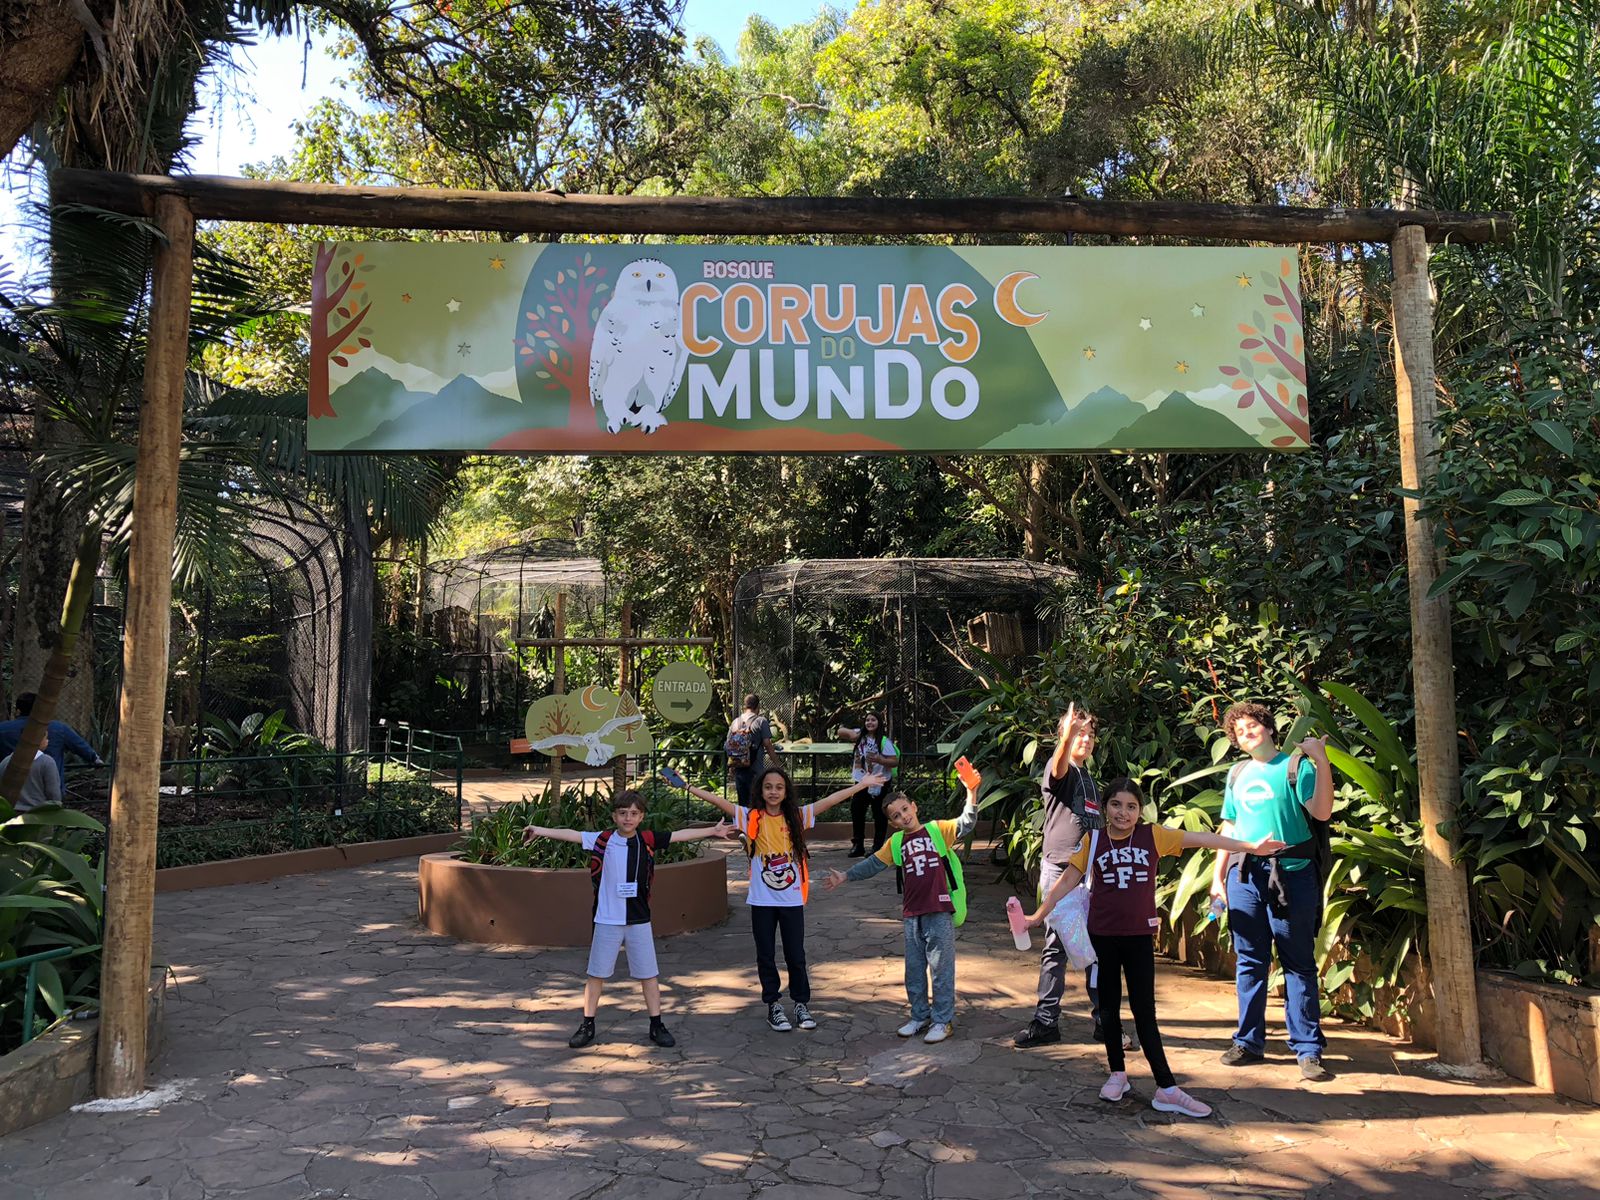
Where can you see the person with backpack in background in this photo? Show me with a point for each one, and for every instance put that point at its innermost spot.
(874, 752)
(1276, 899)
(1121, 861)
(780, 880)
(748, 743)
(934, 902)
(622, 868)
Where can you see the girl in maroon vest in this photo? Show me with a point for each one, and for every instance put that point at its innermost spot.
(1120, 862)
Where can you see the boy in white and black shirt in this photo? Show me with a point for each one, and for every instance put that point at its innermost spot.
(622, 867)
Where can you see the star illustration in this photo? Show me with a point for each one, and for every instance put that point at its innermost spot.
(454, 306)
(463, 348)
(1144, 324)
(497, 263)
(405, 297)
(1197, 309)
(1088, 351)
(1242, 280)
(1181, 367)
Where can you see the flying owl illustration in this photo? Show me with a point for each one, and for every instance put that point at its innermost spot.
(638, 357)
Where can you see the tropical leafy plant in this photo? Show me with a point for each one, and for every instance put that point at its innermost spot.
(496, 838)
(50, 899)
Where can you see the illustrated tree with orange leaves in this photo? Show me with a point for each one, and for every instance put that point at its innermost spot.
(338, 310)
(1272, 368)
(558, 332)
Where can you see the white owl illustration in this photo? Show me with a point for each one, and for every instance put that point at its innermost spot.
(638, 357)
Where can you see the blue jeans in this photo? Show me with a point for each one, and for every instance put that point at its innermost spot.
(931, 950)
(1256, 929)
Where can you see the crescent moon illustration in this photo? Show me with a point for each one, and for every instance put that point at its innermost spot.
(586, 697)
(1005, 300)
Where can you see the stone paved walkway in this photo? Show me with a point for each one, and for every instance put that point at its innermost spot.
(325, 1046)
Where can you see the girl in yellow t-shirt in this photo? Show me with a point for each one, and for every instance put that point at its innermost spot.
(780, 881)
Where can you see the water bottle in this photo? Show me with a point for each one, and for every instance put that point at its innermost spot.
(1219, 906)
(1019, 924)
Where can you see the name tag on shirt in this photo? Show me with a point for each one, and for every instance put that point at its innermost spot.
(628, 891)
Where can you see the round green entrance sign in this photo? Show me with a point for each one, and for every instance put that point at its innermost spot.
(682, 691)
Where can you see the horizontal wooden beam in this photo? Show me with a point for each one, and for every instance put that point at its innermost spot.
(290, 203)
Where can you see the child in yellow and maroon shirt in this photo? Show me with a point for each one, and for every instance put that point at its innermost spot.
(1120, 861)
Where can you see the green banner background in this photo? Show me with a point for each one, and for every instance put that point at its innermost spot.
(479, 347)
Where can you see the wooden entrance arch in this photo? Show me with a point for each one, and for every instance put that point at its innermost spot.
(176, 202)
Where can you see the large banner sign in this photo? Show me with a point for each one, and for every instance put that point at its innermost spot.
(596, 348)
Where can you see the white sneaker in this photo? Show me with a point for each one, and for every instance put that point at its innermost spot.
(937, 1033)
(803, 1017)
(1176, 1100)
(911, 1028)
(1116, 1087)
(777, 1020)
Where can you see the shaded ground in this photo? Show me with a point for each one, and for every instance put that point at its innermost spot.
(325, 1046)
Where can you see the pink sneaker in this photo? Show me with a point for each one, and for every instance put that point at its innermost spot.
(1176, 1100)
(1116, 1087)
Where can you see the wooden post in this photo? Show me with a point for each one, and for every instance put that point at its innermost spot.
(1451, 962)
(552, 790)
(135, 789)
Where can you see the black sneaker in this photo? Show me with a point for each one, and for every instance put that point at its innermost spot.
(584, 1036)
(777, 1019)
(1129, 1042)
(1037, 1034)
(1237, 1056)
(1311, 1068)
(857, 850)
(660, 1034)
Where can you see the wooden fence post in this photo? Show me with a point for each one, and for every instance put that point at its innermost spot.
(1451, 962)
(135, 789)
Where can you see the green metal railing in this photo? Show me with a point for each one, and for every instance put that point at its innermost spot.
(31, 986)
(817, 768)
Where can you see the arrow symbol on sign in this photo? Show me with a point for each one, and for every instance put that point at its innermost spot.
(681, 705)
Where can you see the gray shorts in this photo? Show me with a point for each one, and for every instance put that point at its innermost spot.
(638, 940)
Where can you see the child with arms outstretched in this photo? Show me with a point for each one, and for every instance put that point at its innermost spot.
(935, 901)
(780, 880)
(1121, 861)
(622, 867)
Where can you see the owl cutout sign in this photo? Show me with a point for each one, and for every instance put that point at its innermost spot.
(636, 362)
(592, 726)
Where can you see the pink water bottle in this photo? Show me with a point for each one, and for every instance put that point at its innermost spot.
(1019, 924)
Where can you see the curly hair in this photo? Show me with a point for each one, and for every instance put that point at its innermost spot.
(1250, 708)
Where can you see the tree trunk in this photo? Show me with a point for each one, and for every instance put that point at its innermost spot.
(53, 679)
(39, 46)
(355, 650)
(50, 530)
(1033, 533)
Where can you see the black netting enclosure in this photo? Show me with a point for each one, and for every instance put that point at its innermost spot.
(477, 607)
(287, 636)
(821, 641)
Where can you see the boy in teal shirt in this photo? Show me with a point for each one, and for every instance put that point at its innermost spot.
(1274, 901)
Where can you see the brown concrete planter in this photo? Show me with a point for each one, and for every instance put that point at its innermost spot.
(1547, 1034)
(532, 906)
(261, 867)
(52, 1073)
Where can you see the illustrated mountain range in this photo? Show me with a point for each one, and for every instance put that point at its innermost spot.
(462, 415)
(1108, 420)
